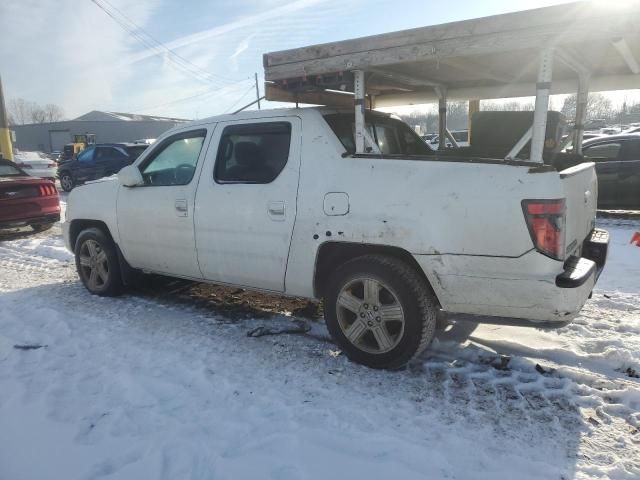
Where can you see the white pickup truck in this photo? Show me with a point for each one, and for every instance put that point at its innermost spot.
(277, 201)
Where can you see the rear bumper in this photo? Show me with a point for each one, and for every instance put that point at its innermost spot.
(578, 270)
(531, 287)
(40, 220)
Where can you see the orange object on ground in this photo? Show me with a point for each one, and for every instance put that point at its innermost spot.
(636, 239)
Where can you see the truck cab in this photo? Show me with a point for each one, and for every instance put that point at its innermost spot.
(278, 201)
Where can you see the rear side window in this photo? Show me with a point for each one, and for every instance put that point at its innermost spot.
(109, 153)
(603, 152)
(252, 153)
(461, 136)
(392, 136)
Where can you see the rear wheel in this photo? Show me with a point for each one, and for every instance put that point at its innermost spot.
(66, 181)
(97, 263)
(380, 311)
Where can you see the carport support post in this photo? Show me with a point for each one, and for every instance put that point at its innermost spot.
(442, 117)
(474, 106)
(581, 112)
(543, 88)
(5, 134)
(360, 91)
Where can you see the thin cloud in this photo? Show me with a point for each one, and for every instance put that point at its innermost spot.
(248, 21)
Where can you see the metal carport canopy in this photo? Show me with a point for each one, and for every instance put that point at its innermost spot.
(491, 57)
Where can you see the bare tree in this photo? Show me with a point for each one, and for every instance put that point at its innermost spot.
(22, 111)
(38, 115)
(598, 106)
(53, 113)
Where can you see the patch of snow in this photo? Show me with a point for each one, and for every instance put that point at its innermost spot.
(138, 387)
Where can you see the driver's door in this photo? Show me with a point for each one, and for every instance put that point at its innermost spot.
(85, 166)
(155, 220)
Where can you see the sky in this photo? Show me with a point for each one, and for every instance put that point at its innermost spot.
(72, 53)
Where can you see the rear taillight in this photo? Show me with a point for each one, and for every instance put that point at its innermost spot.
(52, 165)
(546, 222)
(24, 165)
(47, 190)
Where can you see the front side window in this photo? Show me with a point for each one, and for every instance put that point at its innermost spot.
(174, 162)
(252, 153)
(86, 155)
(603, 152)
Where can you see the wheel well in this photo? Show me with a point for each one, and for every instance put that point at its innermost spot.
(333, 254)
(78, 226)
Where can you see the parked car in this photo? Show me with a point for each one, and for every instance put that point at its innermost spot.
(461, 137)
(617, 159)
(277, 200)
(26, 201)
(36, 164)
(97, 161)
(429, 136)
(585, 136)
(55, 155)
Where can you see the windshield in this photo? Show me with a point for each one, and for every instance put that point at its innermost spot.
(8, 170)
(392, 136)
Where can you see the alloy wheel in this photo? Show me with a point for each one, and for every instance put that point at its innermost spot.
(94, 264)
(370, 315)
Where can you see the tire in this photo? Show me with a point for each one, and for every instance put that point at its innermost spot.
(42, 227)
(97, 263)
(403, 297)
(66, 181)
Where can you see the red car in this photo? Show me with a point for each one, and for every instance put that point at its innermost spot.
(26, 200)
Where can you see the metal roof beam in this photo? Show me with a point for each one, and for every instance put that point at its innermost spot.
(573, 60)
(406, 79)
(625, 52)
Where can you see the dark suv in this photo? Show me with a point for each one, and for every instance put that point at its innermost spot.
(617, 159)
(97, 161)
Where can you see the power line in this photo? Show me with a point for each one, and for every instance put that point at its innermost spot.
(239, 99)
(150, 42)
(208, 92)
(167, 49)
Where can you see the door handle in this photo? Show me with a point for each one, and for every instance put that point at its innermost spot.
(182, 207)
(277, 210)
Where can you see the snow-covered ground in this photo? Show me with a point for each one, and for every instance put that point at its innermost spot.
(140, 387)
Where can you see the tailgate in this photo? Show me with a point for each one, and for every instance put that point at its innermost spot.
(581, 190)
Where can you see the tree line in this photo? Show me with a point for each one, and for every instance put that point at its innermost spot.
(21, 112)
(598, 107)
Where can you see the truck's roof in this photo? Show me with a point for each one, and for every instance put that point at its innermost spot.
(491, 57)
(276, 112)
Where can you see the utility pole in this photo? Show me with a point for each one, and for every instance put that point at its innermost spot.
(257, 90)
(5, 134)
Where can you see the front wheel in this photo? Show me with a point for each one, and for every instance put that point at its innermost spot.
(66, 181)
(380, 311)
(97, 263)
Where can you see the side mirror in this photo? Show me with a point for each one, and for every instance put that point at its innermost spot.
(130, 176)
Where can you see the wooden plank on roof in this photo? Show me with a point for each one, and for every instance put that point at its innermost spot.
(565, 25)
